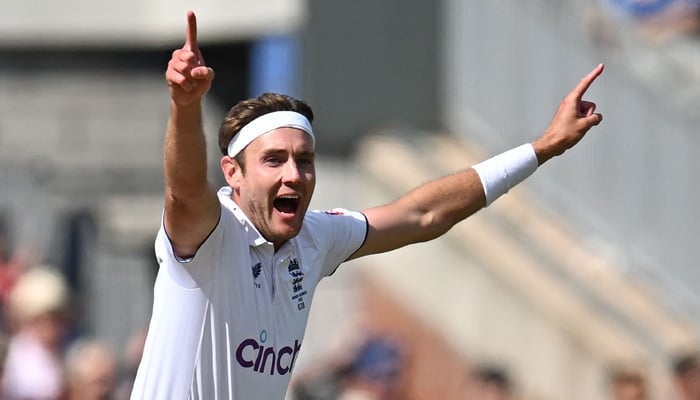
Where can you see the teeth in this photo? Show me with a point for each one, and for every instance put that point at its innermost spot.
(289, 196)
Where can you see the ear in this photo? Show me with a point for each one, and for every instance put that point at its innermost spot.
(232, 171)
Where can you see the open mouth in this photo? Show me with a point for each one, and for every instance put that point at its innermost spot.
(286, 204)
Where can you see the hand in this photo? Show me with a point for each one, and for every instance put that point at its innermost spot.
(573, 119)
(187, 76)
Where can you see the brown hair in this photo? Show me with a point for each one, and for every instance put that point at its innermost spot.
(247, 110)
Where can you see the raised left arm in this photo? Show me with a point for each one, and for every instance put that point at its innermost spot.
(432, 209)
(424, 213)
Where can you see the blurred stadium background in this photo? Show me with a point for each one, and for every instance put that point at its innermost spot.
(587, 267)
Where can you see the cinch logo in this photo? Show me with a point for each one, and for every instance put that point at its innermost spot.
(251, 354)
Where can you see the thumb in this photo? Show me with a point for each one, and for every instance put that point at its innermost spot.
(594, 119)
(202, 73)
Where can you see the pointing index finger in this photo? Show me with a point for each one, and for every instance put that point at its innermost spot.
(191, 34)
(586, 82)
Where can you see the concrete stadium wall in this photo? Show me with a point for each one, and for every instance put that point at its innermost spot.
(626, 186)
(81, 178)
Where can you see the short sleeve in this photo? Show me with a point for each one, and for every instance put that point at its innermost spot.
(195, 271)
(339, 233)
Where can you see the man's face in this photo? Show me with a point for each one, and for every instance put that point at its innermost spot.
(279, 179)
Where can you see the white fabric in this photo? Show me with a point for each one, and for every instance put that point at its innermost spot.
(222, 328)
(268, 123)
(501, 173)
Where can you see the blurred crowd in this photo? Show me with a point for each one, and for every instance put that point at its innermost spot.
(632, 384)
(44, 355)
(378, 369)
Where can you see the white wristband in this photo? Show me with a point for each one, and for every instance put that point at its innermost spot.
(500, 173)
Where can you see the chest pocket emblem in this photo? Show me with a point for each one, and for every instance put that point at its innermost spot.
(256, 269)
(297, 278)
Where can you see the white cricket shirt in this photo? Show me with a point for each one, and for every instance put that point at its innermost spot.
(229, 323)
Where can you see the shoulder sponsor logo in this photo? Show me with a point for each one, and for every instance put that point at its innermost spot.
(334, 212)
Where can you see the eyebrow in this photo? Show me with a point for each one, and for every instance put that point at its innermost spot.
(274, 150)
(307, 153)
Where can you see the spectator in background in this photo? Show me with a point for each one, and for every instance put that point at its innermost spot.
(686, 370)
(491, 382)
(37, 306)
(91, 371)
(627, 384)
(374, 373)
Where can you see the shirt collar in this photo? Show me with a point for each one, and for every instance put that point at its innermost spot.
(255, 239)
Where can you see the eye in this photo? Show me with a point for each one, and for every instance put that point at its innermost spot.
(272, 161)
(306, 162)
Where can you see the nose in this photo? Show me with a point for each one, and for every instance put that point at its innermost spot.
(292, 175)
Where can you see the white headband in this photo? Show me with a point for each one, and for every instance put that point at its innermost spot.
(267, 123)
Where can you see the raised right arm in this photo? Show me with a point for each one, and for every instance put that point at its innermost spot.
(191, 205)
